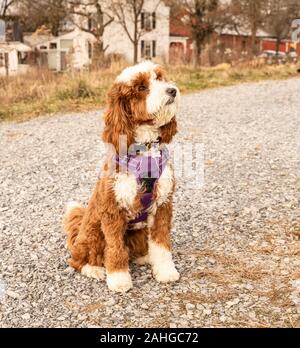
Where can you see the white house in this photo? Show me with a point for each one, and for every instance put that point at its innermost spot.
(153, 29)
(154, 25)
(72, 50)
(12, 58)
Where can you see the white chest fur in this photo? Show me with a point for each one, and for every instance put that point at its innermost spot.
(146, 133)
(126, 189)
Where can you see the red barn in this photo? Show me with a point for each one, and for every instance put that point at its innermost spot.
(285, 46)
(225, 45)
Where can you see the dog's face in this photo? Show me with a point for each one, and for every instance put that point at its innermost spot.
(141, 95)
(149, 87)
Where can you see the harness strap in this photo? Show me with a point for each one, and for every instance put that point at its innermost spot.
(147, 170)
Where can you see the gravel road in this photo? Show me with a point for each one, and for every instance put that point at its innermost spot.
(236, 239)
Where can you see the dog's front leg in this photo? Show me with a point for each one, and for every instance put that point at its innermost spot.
(160, 255)
(116, 253)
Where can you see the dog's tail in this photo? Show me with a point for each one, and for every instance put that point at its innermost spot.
(72, 221)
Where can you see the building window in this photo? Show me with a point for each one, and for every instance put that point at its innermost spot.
(90, 50)
(153, 48)
(66, 43)
(2, 60)
(148, 49)
(53, 46)
(90, 24)
(148, 21)
(23, 58)
(244, 45)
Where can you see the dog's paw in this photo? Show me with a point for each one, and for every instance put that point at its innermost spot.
(119, 281)
(72, 205)
(95, 272)
(143, 260)
(166, 273)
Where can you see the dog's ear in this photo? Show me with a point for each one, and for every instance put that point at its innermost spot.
(168, 131)
(117, 118)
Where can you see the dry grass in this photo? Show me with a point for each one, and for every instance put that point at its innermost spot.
(229, 269)
(266, 277)
(195, 297)
(42, 92)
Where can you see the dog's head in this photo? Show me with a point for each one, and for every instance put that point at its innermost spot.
(141, 95)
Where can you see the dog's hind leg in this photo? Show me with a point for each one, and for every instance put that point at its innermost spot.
(85, 242)
(72, 221)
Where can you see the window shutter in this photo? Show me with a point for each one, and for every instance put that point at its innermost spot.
(153, 20)
(142, 48)
(153, 48)
(142, 20)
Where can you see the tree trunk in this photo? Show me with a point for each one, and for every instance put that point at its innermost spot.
(278, 41)
(198, 51)
(136, 40)
(98, 54)
(253, 37)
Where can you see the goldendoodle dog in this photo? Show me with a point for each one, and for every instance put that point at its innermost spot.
(129, 213)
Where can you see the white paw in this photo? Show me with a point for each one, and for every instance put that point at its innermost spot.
(143, 260)
(95, 272)
(72, 205)
(119, 281)
(166, 273)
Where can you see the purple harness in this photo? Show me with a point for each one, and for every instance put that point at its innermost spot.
(147, 170)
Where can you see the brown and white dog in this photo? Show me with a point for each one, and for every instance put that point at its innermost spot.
(142, 106)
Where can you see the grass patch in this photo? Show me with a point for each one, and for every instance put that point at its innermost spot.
(43, 92)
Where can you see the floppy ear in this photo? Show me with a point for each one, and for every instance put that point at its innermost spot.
(117, 119)
(168, 131)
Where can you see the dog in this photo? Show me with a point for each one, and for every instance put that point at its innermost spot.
(129, 213)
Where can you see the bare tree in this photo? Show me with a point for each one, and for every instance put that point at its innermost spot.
(94, 18)
(49, 13)
(203, 17)
(4, 7)
(280, 16)
(249, 14)
(129, 14)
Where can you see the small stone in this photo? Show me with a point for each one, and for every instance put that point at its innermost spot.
(189, 306)
(26, 316)
(232, 303)
(12, 294)
(222, 318)
(207, 312)
(144, 306)
(172, 325)
(252, 315)
(110, 302)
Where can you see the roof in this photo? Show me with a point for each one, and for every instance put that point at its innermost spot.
(241, 31)
(35, 39)
(18, 46)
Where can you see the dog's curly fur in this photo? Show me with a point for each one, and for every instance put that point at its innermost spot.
(98, 236)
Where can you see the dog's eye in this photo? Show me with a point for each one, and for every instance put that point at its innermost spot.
(142, 88)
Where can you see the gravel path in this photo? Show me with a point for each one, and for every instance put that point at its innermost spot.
(236, 240)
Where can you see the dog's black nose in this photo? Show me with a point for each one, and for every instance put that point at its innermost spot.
(172, 92)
